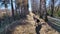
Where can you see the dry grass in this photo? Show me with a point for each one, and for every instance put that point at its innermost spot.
(30, 28)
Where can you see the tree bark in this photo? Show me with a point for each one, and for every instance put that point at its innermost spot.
(52, 7)
(0, 22)
(25, 7)
(40, 9)
(43, 10)
(12, 9)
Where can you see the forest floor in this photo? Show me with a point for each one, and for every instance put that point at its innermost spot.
(27, 26)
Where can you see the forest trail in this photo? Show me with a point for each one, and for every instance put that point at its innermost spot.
(29, 28)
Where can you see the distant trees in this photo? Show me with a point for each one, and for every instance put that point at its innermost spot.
(53, 7)
(18, 6)
(22, 6)
(26, 6)
(5, 4)
(35, 6)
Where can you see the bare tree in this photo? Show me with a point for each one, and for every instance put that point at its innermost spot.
(25, 7)
(35, 6)
(12, 8)
(40, 10)
(43, 9)
(16, 6)
(0, 22)
(52, 7)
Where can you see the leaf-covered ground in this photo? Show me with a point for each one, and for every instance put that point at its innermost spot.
(27, 26)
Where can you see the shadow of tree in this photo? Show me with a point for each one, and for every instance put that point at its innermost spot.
(38, 28)
(10, 28)
(53, 26)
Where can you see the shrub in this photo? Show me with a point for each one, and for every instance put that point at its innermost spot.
(5, 16)
(58, 13)
(17, 16)
(49, 12)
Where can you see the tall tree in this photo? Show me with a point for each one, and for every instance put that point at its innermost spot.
(35, 6)
(0, 22)
(52, 7)
(17, 6)
(12, 8)
(43, 9)
(25, 7)
(40, 10)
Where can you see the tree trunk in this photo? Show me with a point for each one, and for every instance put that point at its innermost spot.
(25, 7)
(0, 22)
(6, 6)
(43, 10)
(52, 7)
(15, 8)
(12, 8)
(40, 9)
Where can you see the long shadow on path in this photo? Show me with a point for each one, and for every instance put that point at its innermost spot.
(10, 28)
(54, 26)
(38, 28)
